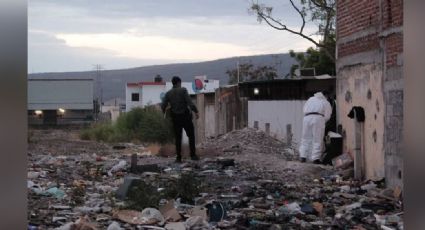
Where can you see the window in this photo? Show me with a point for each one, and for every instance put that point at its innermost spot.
(134, 97)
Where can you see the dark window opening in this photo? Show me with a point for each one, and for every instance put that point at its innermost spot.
(134, 97)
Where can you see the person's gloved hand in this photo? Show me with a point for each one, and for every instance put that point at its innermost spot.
(197, 116)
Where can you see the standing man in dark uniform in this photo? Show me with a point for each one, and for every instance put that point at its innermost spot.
(181, 115)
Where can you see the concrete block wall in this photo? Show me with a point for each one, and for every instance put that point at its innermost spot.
(361, 85)
(369, 74)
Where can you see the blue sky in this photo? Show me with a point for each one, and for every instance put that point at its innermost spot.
(73, 35)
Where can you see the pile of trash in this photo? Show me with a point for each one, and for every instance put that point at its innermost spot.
(112, 191)
(251, 141)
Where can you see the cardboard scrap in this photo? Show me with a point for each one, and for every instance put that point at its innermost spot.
(169, 212)
(318, 207)
(198, 211)
(148, 216)
(397, 192)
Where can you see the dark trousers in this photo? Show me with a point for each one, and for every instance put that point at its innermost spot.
(180, 122)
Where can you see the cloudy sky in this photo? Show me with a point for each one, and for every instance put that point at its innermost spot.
(74, 35)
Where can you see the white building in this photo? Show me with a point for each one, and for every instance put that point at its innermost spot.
(113, 107)
(142, 94)
(60, 101)
(151, 93)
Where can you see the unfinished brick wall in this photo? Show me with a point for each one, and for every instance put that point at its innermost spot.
(392, 13)
(359, 45)
(370, 51)
(393, 50)
(355, 16)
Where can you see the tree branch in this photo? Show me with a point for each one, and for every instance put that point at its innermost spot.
(323, 5)
(268, 19)
(301, 14)
(264, 13)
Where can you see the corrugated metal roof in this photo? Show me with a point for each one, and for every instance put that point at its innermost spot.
(142, 83)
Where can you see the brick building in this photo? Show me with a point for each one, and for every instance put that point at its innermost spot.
(370, 74)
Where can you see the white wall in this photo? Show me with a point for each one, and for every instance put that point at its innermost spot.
(132, 104)
(278, 114)
(151, 94)
(114, 110)
(56, 93)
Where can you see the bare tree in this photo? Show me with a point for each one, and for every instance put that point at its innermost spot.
(318, 11)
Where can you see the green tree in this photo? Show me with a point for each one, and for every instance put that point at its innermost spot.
(314, 58)
(249, 72)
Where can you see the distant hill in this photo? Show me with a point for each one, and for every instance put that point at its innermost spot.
(113, 81)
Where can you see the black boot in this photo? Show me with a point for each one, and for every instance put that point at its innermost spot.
(179, 158)
(303, 159)
(194, 157)
(317, 162)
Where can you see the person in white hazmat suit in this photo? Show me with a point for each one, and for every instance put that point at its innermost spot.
(317, 111)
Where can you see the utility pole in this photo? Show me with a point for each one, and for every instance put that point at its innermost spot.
(237, 67)
(99, 89)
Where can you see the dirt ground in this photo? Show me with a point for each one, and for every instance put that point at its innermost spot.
(265, 171)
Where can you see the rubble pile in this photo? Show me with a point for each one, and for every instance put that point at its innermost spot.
(234, 191)
(249, 140)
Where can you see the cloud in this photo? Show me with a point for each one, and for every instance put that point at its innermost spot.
(154, 47)
(46, 53)
(74, 34)
(146, 8)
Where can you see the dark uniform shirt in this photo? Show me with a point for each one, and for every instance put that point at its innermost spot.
(180, 101)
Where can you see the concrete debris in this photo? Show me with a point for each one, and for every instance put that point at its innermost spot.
(80, 224)
(153, 216)
(175, 226)
(248, 140)
(114, 226)
(74, 184)
(129, 216)
(197, 223)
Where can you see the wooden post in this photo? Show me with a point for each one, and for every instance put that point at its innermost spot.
(289, 134)
(359, 164)
(267, 128)
(200, 123)
(255, 124)
(133, 163)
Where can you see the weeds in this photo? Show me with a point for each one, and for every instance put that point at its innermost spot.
(145, 194)
(145, 125)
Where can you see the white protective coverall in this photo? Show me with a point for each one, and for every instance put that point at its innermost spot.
(317, 110)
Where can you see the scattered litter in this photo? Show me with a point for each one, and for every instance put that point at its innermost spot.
(342, 161)
(169, 212)
(290, 209)
(148, 216)
(114, 226)
(175, 226)
(196, 223)
(118, 167)
(55, 192)
(248, 181)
